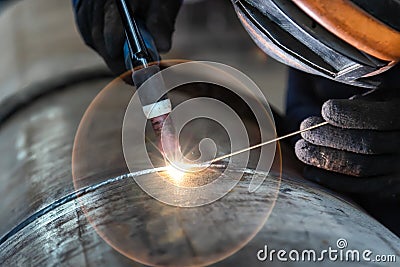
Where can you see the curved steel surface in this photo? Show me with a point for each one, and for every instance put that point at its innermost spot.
(50, 227)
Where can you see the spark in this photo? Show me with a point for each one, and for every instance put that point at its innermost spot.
(177, 170)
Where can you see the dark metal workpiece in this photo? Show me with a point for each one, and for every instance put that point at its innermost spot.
(43, 220)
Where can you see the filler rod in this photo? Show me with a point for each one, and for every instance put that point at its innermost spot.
(267, 142)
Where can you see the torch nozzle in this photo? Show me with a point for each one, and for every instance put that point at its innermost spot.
(168, 142)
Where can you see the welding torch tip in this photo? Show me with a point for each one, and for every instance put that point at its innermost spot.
(163, 126)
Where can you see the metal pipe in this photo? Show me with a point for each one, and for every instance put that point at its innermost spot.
(45, 221)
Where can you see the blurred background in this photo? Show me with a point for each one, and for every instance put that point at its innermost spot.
(39, 41)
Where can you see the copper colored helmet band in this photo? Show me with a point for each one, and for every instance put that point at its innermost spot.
(355, 26)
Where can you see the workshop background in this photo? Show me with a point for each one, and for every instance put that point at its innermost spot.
(40, 33)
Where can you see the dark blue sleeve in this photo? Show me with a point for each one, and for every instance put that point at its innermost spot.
(75, 3)
(301, 99)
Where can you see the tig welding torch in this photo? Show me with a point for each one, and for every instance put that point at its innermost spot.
(142, 58)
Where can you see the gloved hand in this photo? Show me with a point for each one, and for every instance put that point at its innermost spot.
(359, 150)
(101, 27)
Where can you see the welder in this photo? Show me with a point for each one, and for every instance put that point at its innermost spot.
(344, 54)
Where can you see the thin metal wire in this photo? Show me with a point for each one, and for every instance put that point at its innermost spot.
(267, 142)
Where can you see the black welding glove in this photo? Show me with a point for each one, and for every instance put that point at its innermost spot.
(358, 151)
(101, 27)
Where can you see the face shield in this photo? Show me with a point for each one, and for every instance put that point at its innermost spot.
(335, 39)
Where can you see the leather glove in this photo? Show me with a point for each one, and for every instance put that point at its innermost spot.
(101, 27)
(358, 151)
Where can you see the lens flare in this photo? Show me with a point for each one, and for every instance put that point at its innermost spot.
(147, 206)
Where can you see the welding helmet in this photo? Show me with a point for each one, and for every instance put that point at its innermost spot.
(348, 41)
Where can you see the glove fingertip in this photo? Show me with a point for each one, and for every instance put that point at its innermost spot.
(310, 121)
(161, 22)
(162, 37)
(301, 151)
(328, 109)
(338, 113)
(164, 44)
(310, 135)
